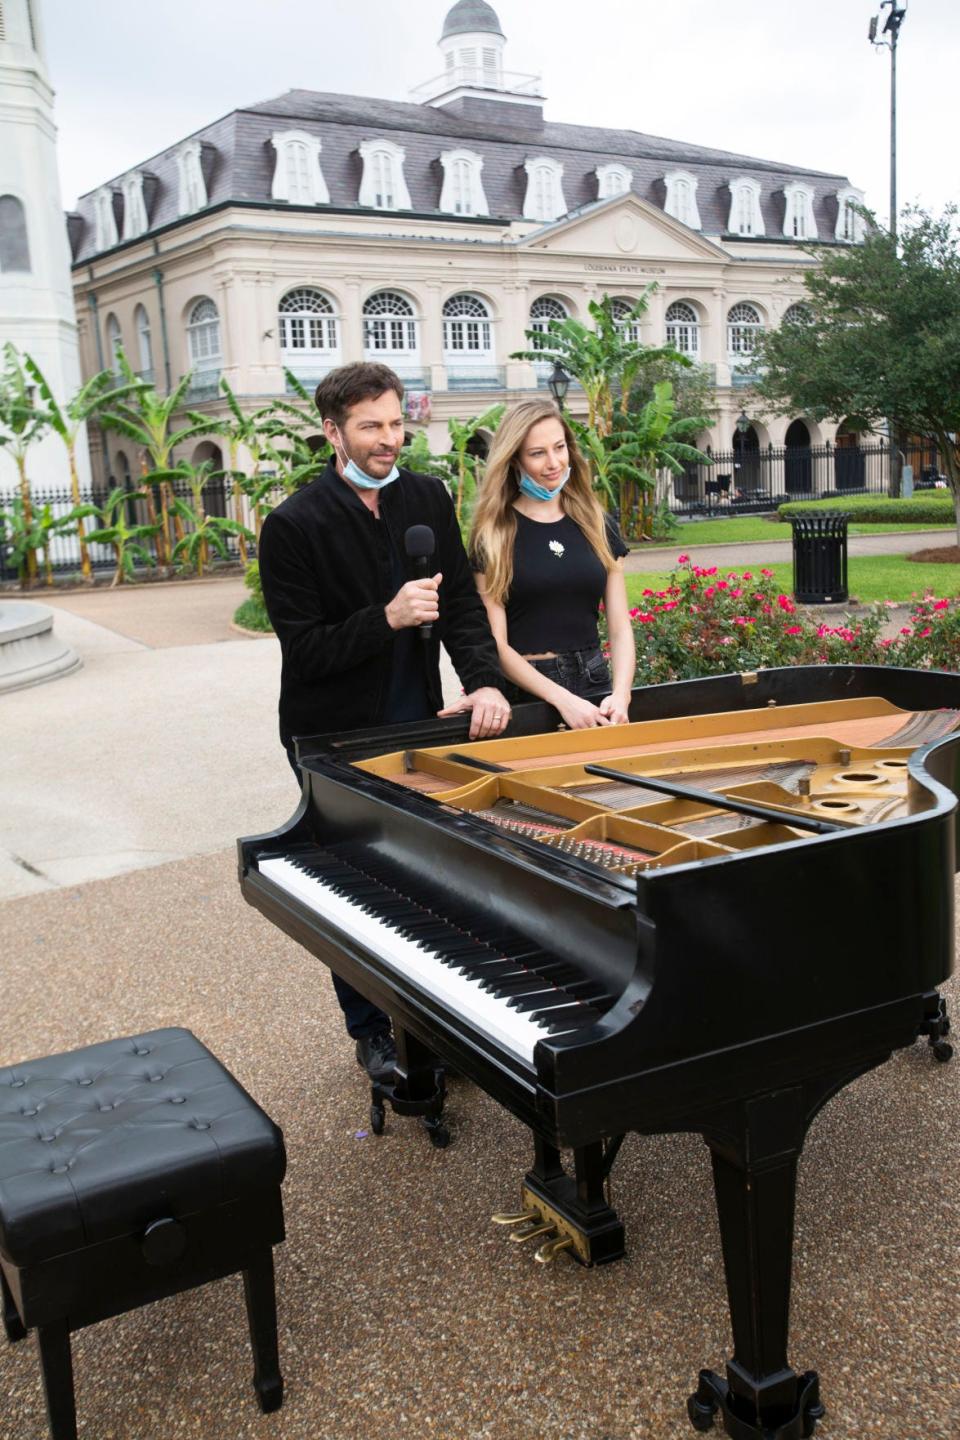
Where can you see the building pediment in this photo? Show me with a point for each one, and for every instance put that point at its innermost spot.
(623, 225)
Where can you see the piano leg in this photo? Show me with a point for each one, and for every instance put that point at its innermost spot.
(755, 1171)
(936, 1026)
(417, 1089)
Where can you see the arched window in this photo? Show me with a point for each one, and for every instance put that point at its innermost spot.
(851, 226)
(14, 246)
(104, 220)
(383, 186)
(743, 326)
(308, 326)
(192, 191)
(544, 198)
(683, 328)
(141, 321)
(621, 309)
(798, 218)
(134, 207)
(467, 332)
(613, 180)
(745, 216)
(798, 314)
(462, 191)
(544, 309)
(114, 342)
(297, 176)
(681, 200)
(203, 333)
(389, 328)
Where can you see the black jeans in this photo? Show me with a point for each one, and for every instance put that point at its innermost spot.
(583, 672)
(362, 1018)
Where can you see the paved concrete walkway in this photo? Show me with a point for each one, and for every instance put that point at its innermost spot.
(747, 553)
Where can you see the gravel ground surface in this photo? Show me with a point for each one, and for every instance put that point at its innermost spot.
(404, 1312)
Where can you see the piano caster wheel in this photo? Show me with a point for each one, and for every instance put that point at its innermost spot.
(378, 1118)
(701, 1414)
(942, 1051)
(439, 1134)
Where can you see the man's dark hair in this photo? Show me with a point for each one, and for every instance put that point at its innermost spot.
(349, 384)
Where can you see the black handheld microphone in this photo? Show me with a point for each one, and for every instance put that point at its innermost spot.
(420, 544)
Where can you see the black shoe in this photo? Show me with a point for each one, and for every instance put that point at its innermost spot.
(377, 1054)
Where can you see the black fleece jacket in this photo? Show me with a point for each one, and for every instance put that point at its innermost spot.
(327, 573)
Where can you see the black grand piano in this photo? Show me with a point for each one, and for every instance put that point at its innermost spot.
(710, 920)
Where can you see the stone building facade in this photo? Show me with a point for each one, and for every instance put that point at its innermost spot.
(314, 229)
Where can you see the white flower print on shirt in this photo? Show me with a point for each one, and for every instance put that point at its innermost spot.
(556, 547)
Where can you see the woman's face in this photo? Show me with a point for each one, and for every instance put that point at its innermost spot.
(543, 454)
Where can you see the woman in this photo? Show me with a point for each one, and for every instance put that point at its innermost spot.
(545, 556)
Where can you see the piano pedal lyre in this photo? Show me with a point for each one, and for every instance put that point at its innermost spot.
(550, 1249)
(511, 1217)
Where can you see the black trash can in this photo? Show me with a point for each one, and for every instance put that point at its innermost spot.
(820, 557)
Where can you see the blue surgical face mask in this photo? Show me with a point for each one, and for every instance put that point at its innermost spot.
(360, 478)
(540, 492)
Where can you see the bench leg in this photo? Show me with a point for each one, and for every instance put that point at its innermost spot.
(260, 1292)
(12, 1323)
(57, 1368)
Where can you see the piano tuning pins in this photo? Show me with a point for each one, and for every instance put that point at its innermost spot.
(549, 1251)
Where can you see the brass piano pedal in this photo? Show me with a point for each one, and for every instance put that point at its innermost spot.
(507, 1217)
(534, 1231)
(549, 1251)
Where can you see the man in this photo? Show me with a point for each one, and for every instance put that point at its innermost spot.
(335, 581)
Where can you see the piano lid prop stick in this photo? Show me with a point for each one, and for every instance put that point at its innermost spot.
(477, 763)
(718, 800)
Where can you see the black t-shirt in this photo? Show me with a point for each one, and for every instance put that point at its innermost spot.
(558, 583)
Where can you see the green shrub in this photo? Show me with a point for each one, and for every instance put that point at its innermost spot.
(705, 622)
(251, 578)
(252, 615)
(931, 507)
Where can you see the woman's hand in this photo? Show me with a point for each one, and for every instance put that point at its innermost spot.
(579, 714)
(616, 708)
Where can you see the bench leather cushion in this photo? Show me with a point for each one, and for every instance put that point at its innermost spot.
(100, 1142)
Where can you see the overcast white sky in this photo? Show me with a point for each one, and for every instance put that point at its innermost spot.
(789, 80)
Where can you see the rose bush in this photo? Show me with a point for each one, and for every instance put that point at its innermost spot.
(710, 622)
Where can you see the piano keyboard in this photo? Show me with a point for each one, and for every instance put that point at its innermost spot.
(511, 991)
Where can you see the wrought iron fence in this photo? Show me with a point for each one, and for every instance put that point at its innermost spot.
(745, 481)
(64, 554)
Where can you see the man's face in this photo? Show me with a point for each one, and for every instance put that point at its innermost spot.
(371, 435)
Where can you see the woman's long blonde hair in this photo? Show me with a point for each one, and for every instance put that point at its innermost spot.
(494, 527)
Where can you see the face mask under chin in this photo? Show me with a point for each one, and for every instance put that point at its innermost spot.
(360, 478)
(540, 492)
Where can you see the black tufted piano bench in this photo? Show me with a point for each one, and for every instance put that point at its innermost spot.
(130, 1171)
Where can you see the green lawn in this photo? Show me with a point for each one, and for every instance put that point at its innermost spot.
(754, 527)
(871, 578)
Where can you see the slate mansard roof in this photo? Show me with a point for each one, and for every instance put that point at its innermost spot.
(238, 161)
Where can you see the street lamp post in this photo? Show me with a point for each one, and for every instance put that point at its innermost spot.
(558, 383)
(891, 28)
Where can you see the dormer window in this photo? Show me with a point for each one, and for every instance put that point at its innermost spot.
(462, 191)
(613, 180)
(681, 201)
(745, 215)
(851, 226)
(544, 198)
(383, 186)
(104, 220)
(134, 207)
(297, 176)
(193, 188)
(798, 218)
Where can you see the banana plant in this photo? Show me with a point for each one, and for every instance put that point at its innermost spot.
(127, 540)
(22, 424)
(146, 418)
(29, 535)
(68, 420)
(466, 466)
(206, 532)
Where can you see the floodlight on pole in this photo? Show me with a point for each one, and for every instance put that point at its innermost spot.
(891, 28)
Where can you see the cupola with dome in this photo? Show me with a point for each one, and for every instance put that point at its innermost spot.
(472, 45)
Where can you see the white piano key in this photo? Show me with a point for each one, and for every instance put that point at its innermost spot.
(459, 993)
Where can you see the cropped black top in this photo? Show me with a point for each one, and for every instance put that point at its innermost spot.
(557, 586)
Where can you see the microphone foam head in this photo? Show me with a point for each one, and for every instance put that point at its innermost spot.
(419, 542)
